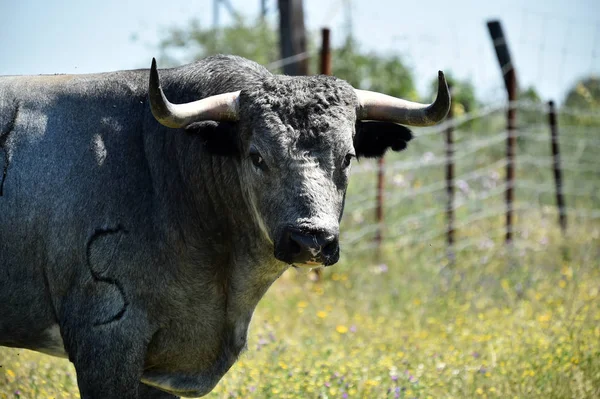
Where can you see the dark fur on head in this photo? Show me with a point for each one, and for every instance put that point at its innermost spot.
(309, 108)
(313, 105)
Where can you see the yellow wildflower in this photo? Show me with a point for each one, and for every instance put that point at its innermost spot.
(544, 318)
(341, 329)
(562, 283)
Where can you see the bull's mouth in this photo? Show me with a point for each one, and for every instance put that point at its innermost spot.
(315, 264)
(308, 265)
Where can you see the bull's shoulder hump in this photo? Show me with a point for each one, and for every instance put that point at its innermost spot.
(134, 81)
(20, 84)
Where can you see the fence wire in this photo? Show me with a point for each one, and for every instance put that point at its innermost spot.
(415, 196)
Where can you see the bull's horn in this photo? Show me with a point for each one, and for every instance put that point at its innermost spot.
(381, 107)
(222, 107)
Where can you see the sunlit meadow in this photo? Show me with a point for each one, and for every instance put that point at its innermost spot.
(519, 321)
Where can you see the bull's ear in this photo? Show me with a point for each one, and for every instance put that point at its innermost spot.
(373, 138)
(219, 138)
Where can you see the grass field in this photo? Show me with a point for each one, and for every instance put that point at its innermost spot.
(499, 322)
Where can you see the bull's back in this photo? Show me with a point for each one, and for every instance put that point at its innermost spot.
(71, 162)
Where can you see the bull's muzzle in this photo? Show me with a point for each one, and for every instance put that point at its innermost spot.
(308, 247)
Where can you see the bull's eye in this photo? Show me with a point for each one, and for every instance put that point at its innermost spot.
(347, 160)
(257, 159)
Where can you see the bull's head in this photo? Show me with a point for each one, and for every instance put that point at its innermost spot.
(295, 138)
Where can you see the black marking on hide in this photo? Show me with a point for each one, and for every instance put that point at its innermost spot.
(96, 275)
(3, 137)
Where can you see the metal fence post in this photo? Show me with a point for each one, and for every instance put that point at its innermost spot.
(379, 207)
(325, 68)
(560, 201)
(510, 82)
(450, 184)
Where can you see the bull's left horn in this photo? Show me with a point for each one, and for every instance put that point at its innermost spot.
(221, 107)
(381, 107)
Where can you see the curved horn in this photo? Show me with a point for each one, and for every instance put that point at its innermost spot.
(377, 106)
(222, 107)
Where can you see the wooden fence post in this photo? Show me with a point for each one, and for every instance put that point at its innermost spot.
(292, 36)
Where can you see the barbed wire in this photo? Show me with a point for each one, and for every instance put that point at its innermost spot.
(565, 140)
(402, 239)
(393, 198)
(289, 60)
(479, 192)
(546, 163)
(421, 217)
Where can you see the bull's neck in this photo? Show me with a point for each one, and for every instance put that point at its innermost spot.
(232, 224)
(224, 213)
(213, 223)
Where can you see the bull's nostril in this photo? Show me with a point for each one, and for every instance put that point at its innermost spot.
(294, 248)
(330, 248)
(308, 246)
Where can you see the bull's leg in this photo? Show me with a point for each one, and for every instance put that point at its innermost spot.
(108, 359)
(106, 338)
(147, 392)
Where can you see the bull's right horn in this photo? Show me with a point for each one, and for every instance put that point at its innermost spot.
(221, 107)
(381, 107)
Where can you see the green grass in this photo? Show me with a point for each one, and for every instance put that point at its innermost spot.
(498, 322)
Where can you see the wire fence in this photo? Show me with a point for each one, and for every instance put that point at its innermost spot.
(451, 195)
(415, 197)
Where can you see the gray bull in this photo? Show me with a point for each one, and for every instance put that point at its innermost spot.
(137, 236)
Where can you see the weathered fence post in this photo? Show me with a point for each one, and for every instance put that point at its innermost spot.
(560, 201)
(292, 36)
(510, 82)
(450, 183)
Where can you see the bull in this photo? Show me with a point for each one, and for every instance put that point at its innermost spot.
(140, 225)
